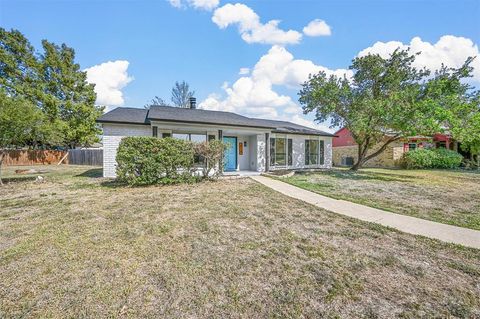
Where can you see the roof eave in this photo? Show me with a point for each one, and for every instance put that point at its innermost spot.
(210, 123)
(121, 122)
(304, 133)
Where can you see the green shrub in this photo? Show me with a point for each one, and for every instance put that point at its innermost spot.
(431, 158)
(150, 160)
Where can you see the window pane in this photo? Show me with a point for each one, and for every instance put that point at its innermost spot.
(166, 135)
(181, 136)
(290, 157)
(198, 138)
(280, 152)
(154, 131)
(311, 152)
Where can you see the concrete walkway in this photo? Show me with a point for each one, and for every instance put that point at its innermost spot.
(452, 234)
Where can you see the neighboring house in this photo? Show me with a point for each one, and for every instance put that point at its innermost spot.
(290, 146)
(345, 150)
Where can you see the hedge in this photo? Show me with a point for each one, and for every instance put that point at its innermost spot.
(431, 158)
(150, 160)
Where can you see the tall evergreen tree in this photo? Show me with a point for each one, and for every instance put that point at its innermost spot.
(52, 82)
(69, 97)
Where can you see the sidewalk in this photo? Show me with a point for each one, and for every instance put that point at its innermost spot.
(452, 234)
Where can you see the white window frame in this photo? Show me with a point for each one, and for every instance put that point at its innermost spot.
(320, 156)
(286, 138)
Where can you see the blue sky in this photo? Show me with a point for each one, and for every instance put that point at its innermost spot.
(163, 43)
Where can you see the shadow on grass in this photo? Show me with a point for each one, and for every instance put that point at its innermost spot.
(92, 173)
(113, 183)
(364, 175)
(19, 179)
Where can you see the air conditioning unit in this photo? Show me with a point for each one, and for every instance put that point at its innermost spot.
(347, 161)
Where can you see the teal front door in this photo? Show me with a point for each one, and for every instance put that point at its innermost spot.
(230, 158)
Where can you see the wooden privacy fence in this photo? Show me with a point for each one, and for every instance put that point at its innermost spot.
(92, 157)
(85, 157)
(33, 157)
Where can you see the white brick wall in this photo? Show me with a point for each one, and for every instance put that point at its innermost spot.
(261, 152)
(112, 135)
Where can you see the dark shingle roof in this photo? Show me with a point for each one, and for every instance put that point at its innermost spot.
(175, 114)
(292, 128)
(128, 115)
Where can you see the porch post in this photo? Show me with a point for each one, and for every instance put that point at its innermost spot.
(220, 138)
(267, 146)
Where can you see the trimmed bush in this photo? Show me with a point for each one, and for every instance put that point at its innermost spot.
(150, 160)
(211, 153)
(431, 158)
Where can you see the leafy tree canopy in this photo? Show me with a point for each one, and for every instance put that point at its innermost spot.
(385, 100)
(54, 84)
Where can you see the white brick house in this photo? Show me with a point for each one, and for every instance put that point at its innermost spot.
(258, 145)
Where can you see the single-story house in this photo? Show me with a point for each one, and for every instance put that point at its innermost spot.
(345, 149)
(258, 145)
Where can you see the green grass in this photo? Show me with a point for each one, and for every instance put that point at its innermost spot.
(78, 245)
(445, 196)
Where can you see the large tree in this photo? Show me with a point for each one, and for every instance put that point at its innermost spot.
(386, 99)
(21, 123)
(181, 94)
(52, 82)
(459, 105)
(68, 97)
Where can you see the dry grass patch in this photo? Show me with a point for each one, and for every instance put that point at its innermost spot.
(449, 197)
(77, 245)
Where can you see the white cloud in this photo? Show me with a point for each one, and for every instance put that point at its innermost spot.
(450, 50)
(204, 4)
(317, 28)
(175, 3)
(197, 4)
(281, 68)
(244, 71)
(255, 95)
(109, 79)
(250, 27)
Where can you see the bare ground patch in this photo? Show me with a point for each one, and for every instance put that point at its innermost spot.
(78, 245)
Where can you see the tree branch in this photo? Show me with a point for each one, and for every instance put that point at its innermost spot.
(384, 146)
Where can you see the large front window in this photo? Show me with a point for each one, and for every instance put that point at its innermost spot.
(280, 151)
(194, 137)
(314, 152)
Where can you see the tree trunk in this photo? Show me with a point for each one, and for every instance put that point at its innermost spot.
(362, 154)
(357, 165)
(2, 155)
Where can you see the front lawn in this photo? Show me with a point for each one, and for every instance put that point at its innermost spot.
(450, 197)
(78, 245)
